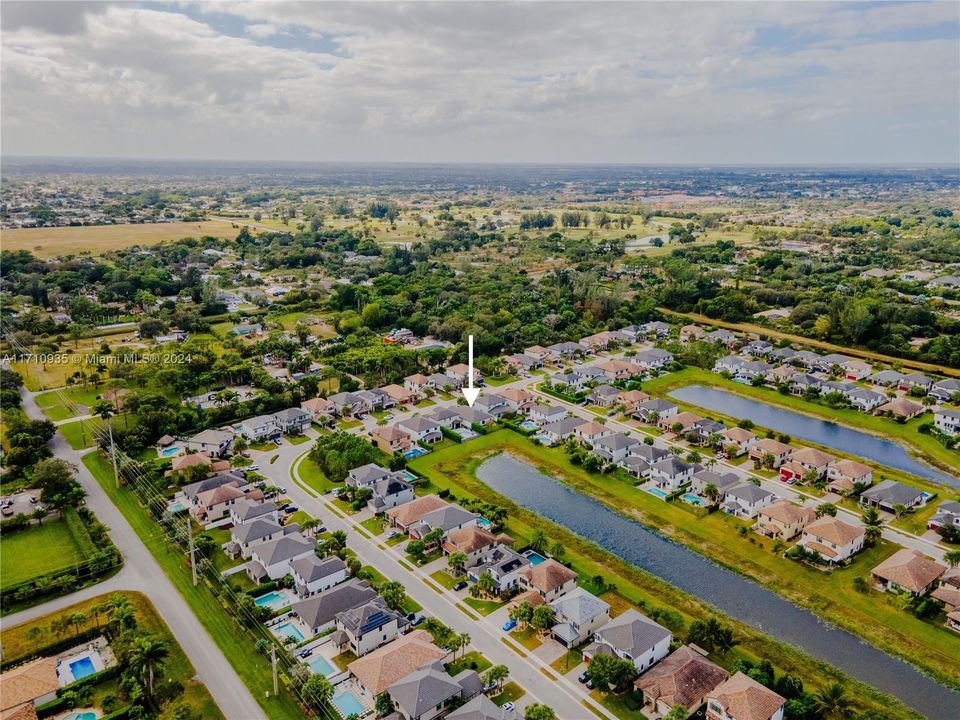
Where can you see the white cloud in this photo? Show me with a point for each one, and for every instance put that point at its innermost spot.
(644, 82)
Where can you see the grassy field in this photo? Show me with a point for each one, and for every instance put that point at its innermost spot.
(79, 434)
(98, 239)
(924, 445)
(16, 643)
(311, 474)
(875, 616)
(36, 551)
(252, 668)
(453, 469)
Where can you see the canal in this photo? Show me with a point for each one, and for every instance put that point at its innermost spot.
(733, 594)
(811, 429)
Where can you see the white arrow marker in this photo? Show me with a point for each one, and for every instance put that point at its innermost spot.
(470, 392)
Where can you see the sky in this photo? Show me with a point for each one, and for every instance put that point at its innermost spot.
(587, 82)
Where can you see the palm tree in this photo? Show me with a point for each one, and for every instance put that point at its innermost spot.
(539, 541)
(39, 514)
(486, 584)
(149, 654)
(832, 702)
(76, 619)
(952, 558)
(463, 640)
(712, 493)
(557, 550)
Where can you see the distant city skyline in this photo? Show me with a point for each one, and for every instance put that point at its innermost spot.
(871, 83)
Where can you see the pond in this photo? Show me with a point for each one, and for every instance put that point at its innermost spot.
(822, 432)
(733, 594)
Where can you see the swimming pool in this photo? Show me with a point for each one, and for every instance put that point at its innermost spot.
(82, 667)
(83, 715)
(529, 425)
(170, 451)
(289, 630)
(543, 440)
(656, 492)
(534, 557)
(275, 600)
(347, 703)
(410, 476)
(483, 522)
(321, 666)
(176, 506)
(415, 453)
(693, 499)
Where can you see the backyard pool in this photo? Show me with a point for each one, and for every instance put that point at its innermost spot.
(693, 499)
(483, 522)
(170, 452)
(176, 506)
(415, 453)
(529, 425)
(534, 557)
(81, 715)
(275, 600)
(411, 477)
(543, 440)
(289, 630)
(82, 667)
(321, 666)
(656, 492)
(347, 703)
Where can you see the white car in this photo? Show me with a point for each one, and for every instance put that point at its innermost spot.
(508, 706)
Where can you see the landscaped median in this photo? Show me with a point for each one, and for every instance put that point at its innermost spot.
(252, 667)
(453, 469)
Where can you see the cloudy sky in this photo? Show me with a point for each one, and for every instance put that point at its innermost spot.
(873, 82)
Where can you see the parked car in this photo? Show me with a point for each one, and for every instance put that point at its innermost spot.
(508, 706)
(583, 677)
(509, 625)
(418, 620)
(291, 509)
(252, 468)
(460, 585)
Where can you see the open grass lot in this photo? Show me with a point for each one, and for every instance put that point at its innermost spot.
(237, 647)
(906, 434)
(17, 643)
(79, 434)
(36, 551)
(99, 239)
(453, 469)
(290, 320)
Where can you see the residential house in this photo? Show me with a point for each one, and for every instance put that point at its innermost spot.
(671, 473)
(885, 378)
(614, 448)
(806, 358)
(375, 399)
(381, 668)
(445, 519)
(365, 628)
(366, 475)
(679, 423)
(272, 559)
(428, 692)
(834, 539)
(944, 390)
(743, 698)
(908, 570)
(546, 414)
(811, 460)
(215, 443)
(421, 429)
(654, 410)
(214, 505)
(656, 329)
(604, 395)
(591, 431)
(312, 575)
(865, 400)
(691, 333)
(801, 383)
(522, 363)
(856, 370)
(782, 374)
(578, 615)
(538, 351)
(721, 337)
(729, 364)
(400, 395)
(193, 491)
(738, 441)
(567, 350)
(483, 708)
(245, 510)
(550, 580)
(652, 359)
(571, 382)
(783, 520)
(641, 457)
(947, 421)
(345, 404)
(442, 381)
(473, 541)
(758, 348)
(590, 373)
(631, 636)
(746, 500)
(319, 612)
(416, 383)
(473, 416)
(617, 369)
(844, 475)
(721, 481)
(248, 535)
(446, 417)
(834, 360)
(27, 687)
(888, 494)
(518, 400)
(768, 446)
(901, 409)
(391, 439)
(684, 677)
(261, 427)
(912, 380)
(504, 564)
(320, 409)
(560, 430)
(409, 514)
(492, 404)
(293, 420)
(630, 399)
(460, 371)
(948, 513)
(705, 428)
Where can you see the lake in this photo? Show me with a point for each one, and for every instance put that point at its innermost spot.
(811, 429)
(735, 595)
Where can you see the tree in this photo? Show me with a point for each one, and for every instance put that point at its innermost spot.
(462, 642)
(148, 656)
(607, 671)
(832, 702)
(486, 584)
(557, 550)
(76, 619)
(316, 692)
(536, 711)
(677, 712)
(496, 675)
(383, 704)
(456, 562)
(58, 489)
(522, 613)
(712, 493)
(543, 618)
(393, 594)
(952, 558)
(539, 541)
(872, 528)
(39, 514)
(415, 550)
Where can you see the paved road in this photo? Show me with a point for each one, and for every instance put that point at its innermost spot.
(142, 573)
(564, 695)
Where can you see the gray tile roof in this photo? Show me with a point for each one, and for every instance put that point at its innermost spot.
(312, 568)
(255, 530)
(482, 708)
(323, 608)
(424, 689)
(284, 548)
(891, 492)
(632, 633)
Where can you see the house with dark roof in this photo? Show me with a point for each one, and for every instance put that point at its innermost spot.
(504, 564)
(389, 492)
(614, 448)
(745, 501)
(421, 429)
(245, 510)
(671, 473)
(366, 627)
(887, 494)
(948, 513)
(631, 636)
(272, 559)
(944, 390)
(426, 693)
(445, 519)
(216, 443)
(482, 708)
(319, 612)
(578, 615)
(312, 575)
(546, 414)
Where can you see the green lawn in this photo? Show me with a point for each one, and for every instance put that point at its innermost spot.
(469, 661)
(527, 637)
(79, 434)
(567, 662)
(498, 381)
(17, 641)
(453, 470)
(52, 402)
(347, 424)
(374, 525)
(36, 551)
(311, 474)
(445, 579)
(484, 607)
(238, 647)
(511, 692)
(297, 439)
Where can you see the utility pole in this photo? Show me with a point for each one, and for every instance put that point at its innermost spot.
(113, 454)
(273, 663)
(193, 559)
